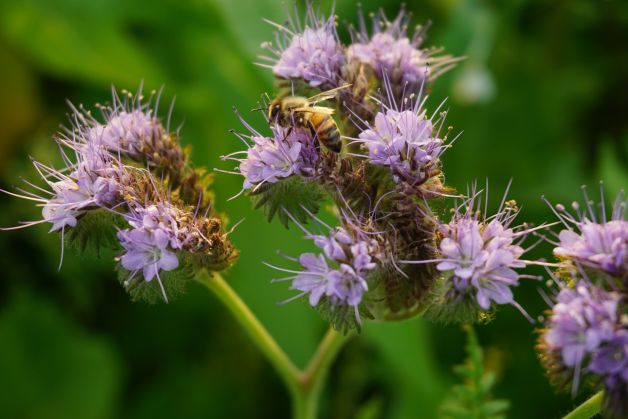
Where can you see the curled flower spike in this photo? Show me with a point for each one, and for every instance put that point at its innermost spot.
(479, 255)
(288, 152)
(338, 278)
(594, 241)
(392, 53)
(310, 50)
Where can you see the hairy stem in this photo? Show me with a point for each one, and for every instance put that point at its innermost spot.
(261, 337)
(588, 409)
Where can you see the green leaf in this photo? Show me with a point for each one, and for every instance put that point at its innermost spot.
(80, 40)
(289, 197)
(50, 368)
(472, 399)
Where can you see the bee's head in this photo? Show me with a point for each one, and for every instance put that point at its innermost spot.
(274, 110)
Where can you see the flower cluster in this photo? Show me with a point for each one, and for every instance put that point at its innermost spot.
(389, 171)
(478, 256)
(583, 320)
(339, 276)
(390, 52)
(406, 141)
(587, 329)
(311, 52)
(129, 173)
(288, 152)
(595, 243)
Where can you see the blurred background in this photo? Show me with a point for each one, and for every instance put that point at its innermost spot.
(541, 98)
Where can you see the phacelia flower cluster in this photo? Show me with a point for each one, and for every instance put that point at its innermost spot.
(406, 141)
(269, 159)
(392, 53)
(583, 320)
(312, 53)
(127, 172)
(586, 335)
(388, 167)
(338, 277)
(479, 257)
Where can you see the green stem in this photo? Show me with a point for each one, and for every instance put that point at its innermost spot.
(304, 387)
(311, 381)
(588, 409)
(262, 338)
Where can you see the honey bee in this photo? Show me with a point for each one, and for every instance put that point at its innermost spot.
(301, 112)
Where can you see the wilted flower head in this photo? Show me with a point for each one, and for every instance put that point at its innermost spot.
(311, 51)
(595, 241)
(392, 53)
(290, 151)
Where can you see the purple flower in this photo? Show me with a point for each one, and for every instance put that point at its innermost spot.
(147, 251)
(270, 159)
(150, 244)
(406, 142)
(353, 256)
(390, 52)
(340, 273)
(312, 53)
(582, 319)
(611, 359)
(480, 254)
(127, 132)
(595, 242)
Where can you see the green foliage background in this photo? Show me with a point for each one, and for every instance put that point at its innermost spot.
(541, 98)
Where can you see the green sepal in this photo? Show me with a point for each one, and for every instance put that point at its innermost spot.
(174, 283)
(448, 305)
(342, 317)
(95, 230)
(289, 197)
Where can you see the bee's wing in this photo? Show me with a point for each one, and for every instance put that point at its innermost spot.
(316, 109)
(327, 94)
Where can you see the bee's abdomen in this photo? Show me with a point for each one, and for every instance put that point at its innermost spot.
(326, 130)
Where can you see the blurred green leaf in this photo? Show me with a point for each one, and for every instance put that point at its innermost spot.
(75, 43)
(52, 369)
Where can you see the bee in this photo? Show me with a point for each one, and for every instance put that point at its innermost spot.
(301, 112)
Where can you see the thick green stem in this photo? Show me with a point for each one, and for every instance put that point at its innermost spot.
(312, 380)
(588, 409)
(264, 341)
(304, 387)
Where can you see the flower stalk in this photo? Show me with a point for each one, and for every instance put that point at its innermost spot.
(304, 386)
